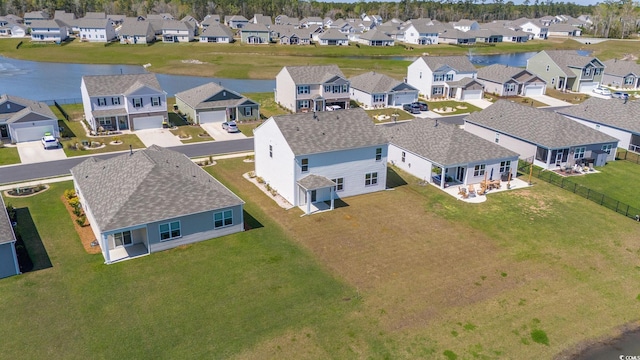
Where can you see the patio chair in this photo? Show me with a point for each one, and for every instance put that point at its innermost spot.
(472, 190)
(591, 167)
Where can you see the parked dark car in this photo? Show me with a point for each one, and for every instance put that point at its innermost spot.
(411, 108)
(422, 105)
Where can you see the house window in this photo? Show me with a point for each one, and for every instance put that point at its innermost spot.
(339, 183)
(270, 151)
(370, 179)
(304, 165)
(597, 127)
(438, 77)
(303, 104)
(104, 122)
(449, 77)
(303, 89)
(607, 148)
(478, 170)
(137, 102)
(115, 101)
(553, 81)
(497, 139)
(327, 88)
(155, 101)
(102, 102)
(122, 238)
(505, 166)
(587, 72)
(247, 111)
(547, 68)
(510, 87)
(222, 219)
(597, 71)
(404, 155)
(437, 91)
(378, 154)
(378, 98)
(170, 231)
(579, 153)
(420, 74)
(628, 81)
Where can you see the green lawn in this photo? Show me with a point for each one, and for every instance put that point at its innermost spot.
(268, 105)
(616, 180)
(402, 115)
(187, 130)
(519, 99)
(468, 108)
(574, 98)
(9, 155)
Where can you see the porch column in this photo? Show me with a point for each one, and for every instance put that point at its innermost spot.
(308, 198)
(105, 247)
(442, 177)
(564, 85)
(332, 191)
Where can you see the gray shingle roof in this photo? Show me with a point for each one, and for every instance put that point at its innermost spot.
(459, 63)
(93, 23)
(176, 25)
(6, 230)
(34, 110)
(375, 35)
(196, 97)
(613, 112)
(132, 27)
(147, 186)
(463, 83)
(315, 182)
(544, 128)
(255, 28)
(621, 67)
(330, 131)
(47, 24)
(444, 144)
(313, 74)
(332, 34)
(500, 73)
(217, 30)
(104, 85)
(376, 83)
(569, 59)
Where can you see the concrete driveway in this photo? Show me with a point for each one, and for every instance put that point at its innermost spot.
(481, 103)
(161, 137)
(32, 152)
(218, 133)
(551, 101)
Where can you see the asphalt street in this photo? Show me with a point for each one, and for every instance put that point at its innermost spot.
(23, 172)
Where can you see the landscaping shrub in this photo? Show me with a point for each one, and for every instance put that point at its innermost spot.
(260, 180)
(70, 194)
(77, 211)
(74, 202)
(540, 337)
(81, 220)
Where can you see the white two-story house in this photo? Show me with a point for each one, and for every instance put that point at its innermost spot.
(177, 31)
(96, 30)
(445, 77)
(312, 88)
(49, 30)
(312, 159)
(421, 34)
(121, 102)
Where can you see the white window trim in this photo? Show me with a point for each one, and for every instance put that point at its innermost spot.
(170, 230)
(223, 219)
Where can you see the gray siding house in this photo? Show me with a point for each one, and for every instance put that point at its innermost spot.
(621, 74)
(567, 70)
(8, 258)
(375, 90)
(25, 120)
(547, 139)
(211, 103)
(255, 34)
(311, 88)
(152, 200)
(503, 80)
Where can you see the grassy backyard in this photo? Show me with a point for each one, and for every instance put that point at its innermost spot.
(456, 107)
(615, 179)
(574, 98)
(439, 279)
(9, 155)
(402, 115)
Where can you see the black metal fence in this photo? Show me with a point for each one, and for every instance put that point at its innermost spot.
(64, 113)
(622, 154)
(587, 193)
(63, 101)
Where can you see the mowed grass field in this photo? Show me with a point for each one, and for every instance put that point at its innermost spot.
(243, 61)
(405, 273)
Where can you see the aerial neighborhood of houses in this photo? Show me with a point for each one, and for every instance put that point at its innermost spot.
(327, 147)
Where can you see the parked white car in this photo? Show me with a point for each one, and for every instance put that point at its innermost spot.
(602, 91)
(49, 142)
(230, 126)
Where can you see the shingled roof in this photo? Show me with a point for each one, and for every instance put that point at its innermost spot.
(313, 74)
(147, 186)
(325, 131)
(621, 67)
(199, 97)
(500, 73)
(29, 110)
(104, 85)
(567, 59)
(536, 126)
(612, 112)
(442, 143)
(458, 63)
(375, 83)
(6, 230)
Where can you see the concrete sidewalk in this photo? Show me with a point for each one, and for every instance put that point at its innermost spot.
(481, 103)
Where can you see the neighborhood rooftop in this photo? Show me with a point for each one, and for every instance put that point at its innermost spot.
(537, 126)
(39, 108)
(135, 188)
(442, 143)
(499, 73)
(200, 97)
(459, 63)
(373, 83)
(613, 112)
(98, 85)
(324, 131)
(313, 74)
(567, 59)
(6, 230)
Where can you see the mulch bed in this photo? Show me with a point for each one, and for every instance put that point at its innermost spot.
(84, 232)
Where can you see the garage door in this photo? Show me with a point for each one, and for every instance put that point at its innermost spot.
(402, 99)
(587, 87)
(471, 95)
(207, 117)
(150, 122)
(32, 133)
(533, 90)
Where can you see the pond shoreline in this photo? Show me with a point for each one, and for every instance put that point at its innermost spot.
(597, 348)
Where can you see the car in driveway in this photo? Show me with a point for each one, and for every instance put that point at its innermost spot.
(332, 108)
(50, 142)
(230, 126)
(411, 108)
(602, 91)
(422, 105)
(620, 95)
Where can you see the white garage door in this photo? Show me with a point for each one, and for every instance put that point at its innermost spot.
(150, 122)
(587, 87)
(207, 117)
(533, 90)
(32, 133)
(471, 95)
(402, 99)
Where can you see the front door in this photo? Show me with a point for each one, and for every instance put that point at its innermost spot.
(4, 132)
(559, 157)
(313, 196)
(460, 174)
(123, 239)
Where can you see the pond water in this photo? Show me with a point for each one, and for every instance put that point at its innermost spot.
(625, 347)
(52, 81)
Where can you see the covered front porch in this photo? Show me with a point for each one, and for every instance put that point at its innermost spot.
(124, 244)
(313, 192)
(111, 120)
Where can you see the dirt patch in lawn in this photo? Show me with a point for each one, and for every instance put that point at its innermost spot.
(84, 232)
